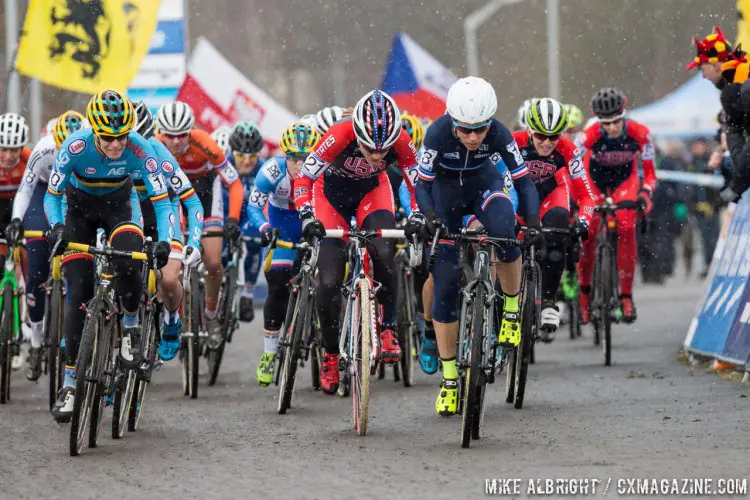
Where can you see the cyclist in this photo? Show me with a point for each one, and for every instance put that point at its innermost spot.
(614, 146)
(28, 213)
(207, 168)
(181, 191)
(327, 117)
(245, 143)
(221, 136)
(575, 122)
(93, 168)
(14, 155)
(345, 177)
(457, 177)
(554, 164)
(274, 185)
(520, 123)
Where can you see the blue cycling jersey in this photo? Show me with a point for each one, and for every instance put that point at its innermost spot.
(80, 163)
(274, 186)
(443, 150)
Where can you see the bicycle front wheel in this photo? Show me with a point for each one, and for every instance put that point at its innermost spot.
(407, 328)
(473, 380)
(292, 346)
(607, 291)
(53, 334)
(529, 290)
(86, 383)
(6, 343)
(361, 348)
(215, 356)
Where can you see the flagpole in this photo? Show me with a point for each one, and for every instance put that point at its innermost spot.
(472, 22)
(553, 48)
(12, 92)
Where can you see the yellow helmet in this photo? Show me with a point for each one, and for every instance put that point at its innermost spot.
(414, 128)
(299, 139)
(66, 124)
(109, 113)
(575, 116)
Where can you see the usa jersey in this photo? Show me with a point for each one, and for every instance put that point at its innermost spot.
(80, 164)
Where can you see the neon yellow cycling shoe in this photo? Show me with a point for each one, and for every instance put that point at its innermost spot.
(264, 373)
(447, 400)
(510, 330)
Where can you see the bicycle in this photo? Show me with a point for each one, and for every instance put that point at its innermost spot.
(54, 362)
(150, 336)
(605, 299)
(10, 314)
(408, 258)
(99, 371)
(300, 338)
(476, 353)
(359, 342)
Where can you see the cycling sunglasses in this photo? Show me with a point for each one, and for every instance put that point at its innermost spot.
(541, 137)
(468, 129)
(244, 156)
(371, 151)
(177, 136)
(112, 138)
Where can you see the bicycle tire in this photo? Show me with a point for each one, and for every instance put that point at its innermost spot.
(123, 397)
(300, 316)
(6, 344)
(53, 337)
(607, 290)
(361, 379)
(192, 342)
(596, 297)
(150, 324)
(472, 383)
(523, 351)
(215, 356)
(407, 326)
(105, 369)
(345, 379)
(86, 387)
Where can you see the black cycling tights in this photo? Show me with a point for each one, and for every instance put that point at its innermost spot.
(553, 258)
(274, 309)
(332, 264)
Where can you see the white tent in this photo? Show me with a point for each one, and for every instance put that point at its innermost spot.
(689, 111)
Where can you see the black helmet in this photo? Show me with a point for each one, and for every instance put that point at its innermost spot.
(245, 138)
(144, 120)
(609, 104)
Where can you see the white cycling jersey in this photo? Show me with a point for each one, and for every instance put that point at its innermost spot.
(38, 168)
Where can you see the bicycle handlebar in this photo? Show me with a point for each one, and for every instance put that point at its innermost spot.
(107, 251)
(610, 206)
(361, 234)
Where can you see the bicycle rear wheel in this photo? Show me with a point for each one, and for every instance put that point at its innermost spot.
(362, 363)
(530, 290)
(86, 383)
(53, 336)
(292, 346)
(6, 344)
(473, 380)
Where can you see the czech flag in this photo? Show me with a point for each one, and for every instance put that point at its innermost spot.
(415, 79)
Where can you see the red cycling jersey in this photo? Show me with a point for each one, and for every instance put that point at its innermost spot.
(339, 158)
(554, 174)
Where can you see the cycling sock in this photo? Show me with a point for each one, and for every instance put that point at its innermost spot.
(429, 329)
(171, 317)
(130, 320)
(247, 291)
(69, 379)
(450, 371)
(211, 314)
(37, 334)
(270, 340)
(511, 303)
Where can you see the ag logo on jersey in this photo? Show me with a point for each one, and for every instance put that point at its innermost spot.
(76, 147)
(167, 167)
(151, 165)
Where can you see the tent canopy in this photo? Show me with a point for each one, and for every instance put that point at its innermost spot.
(689, 111)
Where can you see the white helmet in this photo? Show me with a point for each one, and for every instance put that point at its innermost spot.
(14, 133)
(310, 120)
(175, 118)
(471, 100)
(327, 117)
(522, 113)
(221, 136)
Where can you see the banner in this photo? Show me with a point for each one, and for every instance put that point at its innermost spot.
(720, 326)
(85, 45)
(221, 95)
(743, 29)
(163, 69)
(415, 79)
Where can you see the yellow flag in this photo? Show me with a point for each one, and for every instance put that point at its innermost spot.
(85, 45)
(743, 24)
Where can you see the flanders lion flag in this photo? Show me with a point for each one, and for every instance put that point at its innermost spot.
(86, 45)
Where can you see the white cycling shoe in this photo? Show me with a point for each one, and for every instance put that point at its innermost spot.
(550, 322)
